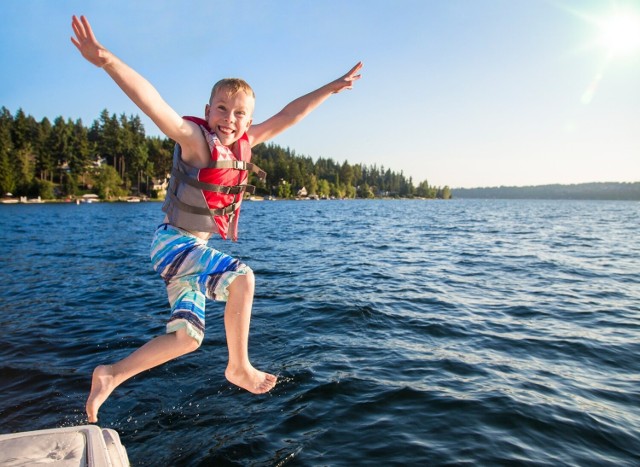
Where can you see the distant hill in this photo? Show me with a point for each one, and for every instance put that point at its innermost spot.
(592, 191)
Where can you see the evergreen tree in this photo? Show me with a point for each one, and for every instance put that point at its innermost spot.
(59, 142)
(24, 169)
(79, 148)
(7, 176)
(107, 137)
(45, 163)
(23, 131)
(159, 153)
(135, 151)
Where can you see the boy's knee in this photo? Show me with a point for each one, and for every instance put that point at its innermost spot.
(250, 278)
(185, 341)
(245, 283)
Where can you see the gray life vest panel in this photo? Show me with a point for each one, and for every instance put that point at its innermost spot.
(209, 199)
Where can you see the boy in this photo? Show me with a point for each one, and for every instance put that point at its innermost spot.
(210, 167)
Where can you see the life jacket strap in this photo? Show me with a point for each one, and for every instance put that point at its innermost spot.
(238, 165)
(228, 190)
(230, 209)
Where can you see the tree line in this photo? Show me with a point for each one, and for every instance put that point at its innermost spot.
(114, 158)
(582, 191)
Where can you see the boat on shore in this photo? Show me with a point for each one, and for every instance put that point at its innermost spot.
(22, 199)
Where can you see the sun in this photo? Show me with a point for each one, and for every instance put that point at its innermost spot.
(614, 32)
(620, 34)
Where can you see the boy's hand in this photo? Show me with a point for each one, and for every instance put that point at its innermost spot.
(346, 81)
(87, 43)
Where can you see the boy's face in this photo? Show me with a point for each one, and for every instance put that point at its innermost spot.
(229, 115)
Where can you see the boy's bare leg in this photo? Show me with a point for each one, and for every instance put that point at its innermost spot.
(163, 348)
(155, 352)
(237, 317)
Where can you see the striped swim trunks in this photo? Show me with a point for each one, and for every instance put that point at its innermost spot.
(192, 271)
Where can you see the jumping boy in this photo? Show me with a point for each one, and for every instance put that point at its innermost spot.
(210, 168)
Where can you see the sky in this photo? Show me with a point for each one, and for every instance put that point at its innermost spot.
(462, 93)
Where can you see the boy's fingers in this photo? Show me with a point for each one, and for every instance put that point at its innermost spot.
(355, 68)
(78, 28)
(87, 27)
(82, 28)
(351, 75)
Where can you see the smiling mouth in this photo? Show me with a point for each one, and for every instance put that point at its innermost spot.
(225, 130)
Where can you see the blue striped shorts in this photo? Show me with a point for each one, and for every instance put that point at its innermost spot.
(192, 271)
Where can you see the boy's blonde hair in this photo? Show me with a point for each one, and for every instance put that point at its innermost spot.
(232, 86)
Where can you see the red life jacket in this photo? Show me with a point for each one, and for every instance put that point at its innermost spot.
(209, 199)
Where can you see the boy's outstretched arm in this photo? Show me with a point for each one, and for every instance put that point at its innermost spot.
(296, 110)
(136, 87)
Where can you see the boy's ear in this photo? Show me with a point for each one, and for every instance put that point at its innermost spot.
(206, 111)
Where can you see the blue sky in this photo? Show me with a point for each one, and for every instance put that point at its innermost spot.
(463, 93)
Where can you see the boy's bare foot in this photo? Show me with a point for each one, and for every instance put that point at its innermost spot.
(254, 381)
(102, 384)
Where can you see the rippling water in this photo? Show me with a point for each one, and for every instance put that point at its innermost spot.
(404, 333)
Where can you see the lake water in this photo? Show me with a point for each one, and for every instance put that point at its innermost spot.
(461, 332)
